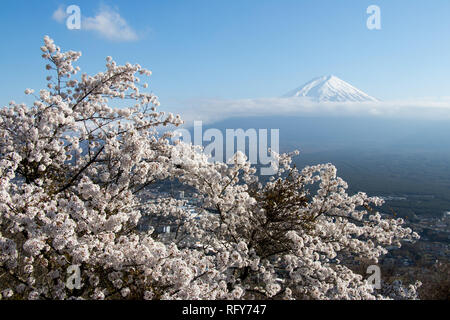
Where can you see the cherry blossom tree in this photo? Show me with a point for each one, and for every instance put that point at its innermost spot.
(73, 169)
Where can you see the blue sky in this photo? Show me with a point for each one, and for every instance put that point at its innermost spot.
(239, 49)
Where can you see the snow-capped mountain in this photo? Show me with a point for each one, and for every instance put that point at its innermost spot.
(330, 88)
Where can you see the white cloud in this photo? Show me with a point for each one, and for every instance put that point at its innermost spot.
(210, 110)
(59, 14)
(107, 23)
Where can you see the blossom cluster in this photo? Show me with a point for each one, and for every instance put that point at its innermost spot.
(73, 166)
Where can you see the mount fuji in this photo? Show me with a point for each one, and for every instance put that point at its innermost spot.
(330, 88)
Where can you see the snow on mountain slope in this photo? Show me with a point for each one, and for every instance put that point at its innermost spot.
(330, 88)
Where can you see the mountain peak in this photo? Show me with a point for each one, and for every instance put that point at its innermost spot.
(330, 88)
